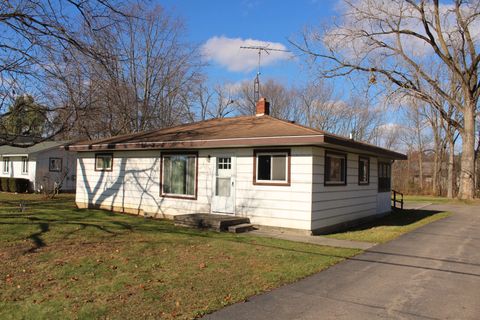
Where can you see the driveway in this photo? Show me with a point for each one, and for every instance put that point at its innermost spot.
(430, 273)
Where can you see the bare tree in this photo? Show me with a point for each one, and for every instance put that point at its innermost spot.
(394, 40)
(31, 30)
(146, 79)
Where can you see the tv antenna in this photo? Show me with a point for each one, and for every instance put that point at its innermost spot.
(256, 83)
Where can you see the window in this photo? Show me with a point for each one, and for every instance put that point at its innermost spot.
(179, 175)
(335, 168)
(24, 165)
(363, 170)
(224, 163)
(6, 165)
(271, 167)
(55, 164)
(103, 162)
(384, 174)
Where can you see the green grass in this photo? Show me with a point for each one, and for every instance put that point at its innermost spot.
(438, 200)
(390, 226)
(61, 262)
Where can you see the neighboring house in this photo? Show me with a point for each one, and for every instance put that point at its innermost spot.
(275, 172)
(43, 164)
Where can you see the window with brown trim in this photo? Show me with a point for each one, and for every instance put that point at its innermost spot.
(103, 161)
(384, 177)
(363, 170)
(271, 167)
(55, 164)
(335, 169)
(178, 175)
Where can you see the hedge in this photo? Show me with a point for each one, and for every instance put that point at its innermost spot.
(19, 185)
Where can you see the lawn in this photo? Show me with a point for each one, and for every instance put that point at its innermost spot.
(391, 226)
(61, 262)
(438, 200)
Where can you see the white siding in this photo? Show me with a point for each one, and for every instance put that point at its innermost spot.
(277, 206)
(384, 202)
(45, 178)
(333, 205)
(15, 167)
(133, 186)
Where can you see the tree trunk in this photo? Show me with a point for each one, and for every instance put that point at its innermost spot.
(420, 170)
(467, 170)
(451, 167)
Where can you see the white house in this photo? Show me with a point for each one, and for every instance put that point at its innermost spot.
(275, 172)
(42, 164)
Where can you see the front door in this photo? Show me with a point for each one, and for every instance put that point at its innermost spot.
(223, 199)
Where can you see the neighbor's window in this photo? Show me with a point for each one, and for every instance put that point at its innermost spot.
(103, 162)
(179, 172)
(55, 164)
(384, 177)
(272, 167)
(363, 170)
(24, 165)
(335, 168)
(6, 165)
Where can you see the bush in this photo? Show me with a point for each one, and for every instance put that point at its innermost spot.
(4, 184)
(19, 185)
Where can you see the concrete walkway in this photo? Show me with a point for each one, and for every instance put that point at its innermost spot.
(324, 241)
(430, 273)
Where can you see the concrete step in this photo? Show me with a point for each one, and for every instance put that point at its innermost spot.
(238, 228)
(209, 221)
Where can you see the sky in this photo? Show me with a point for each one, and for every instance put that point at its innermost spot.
(221, 27)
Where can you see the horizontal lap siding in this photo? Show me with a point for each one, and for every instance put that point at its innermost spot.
(278, 206)
(134, 184)
(333, 205)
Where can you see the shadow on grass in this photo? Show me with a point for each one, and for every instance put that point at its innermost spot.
(102, 221)
(397, 218)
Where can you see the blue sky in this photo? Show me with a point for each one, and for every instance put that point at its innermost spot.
(229, 22)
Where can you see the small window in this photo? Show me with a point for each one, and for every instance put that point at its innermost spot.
(335, 168)
(384, 174)
(55, 164)
(6, 165)
(224, 163)
(363, 170)
(24, 165)
(178, 175)
(103, 162)
(272, 167)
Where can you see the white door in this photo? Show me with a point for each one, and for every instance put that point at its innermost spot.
(223, 199)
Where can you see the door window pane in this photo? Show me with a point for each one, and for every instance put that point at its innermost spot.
(223, 187)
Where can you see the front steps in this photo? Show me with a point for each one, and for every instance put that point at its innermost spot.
(217, 222)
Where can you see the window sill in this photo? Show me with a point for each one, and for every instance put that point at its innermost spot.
(271, 183)
(335, 184)
(364, 183)
(179, 196)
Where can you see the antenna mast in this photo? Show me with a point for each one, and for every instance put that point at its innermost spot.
(256, 82)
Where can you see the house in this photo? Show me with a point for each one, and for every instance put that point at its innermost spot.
(43, 164)
(275, 172)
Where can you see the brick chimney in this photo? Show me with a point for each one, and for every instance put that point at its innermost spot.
(263, 107)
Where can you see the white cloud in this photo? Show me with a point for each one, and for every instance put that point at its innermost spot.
(227, 52)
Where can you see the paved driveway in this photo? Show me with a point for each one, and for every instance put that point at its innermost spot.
(431, 273)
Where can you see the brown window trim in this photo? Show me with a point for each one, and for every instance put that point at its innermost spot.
(185, 197)
(61, 164)
(289, 162)
(95, 164)
(381, 188)
(330, 183)
(360, 158)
